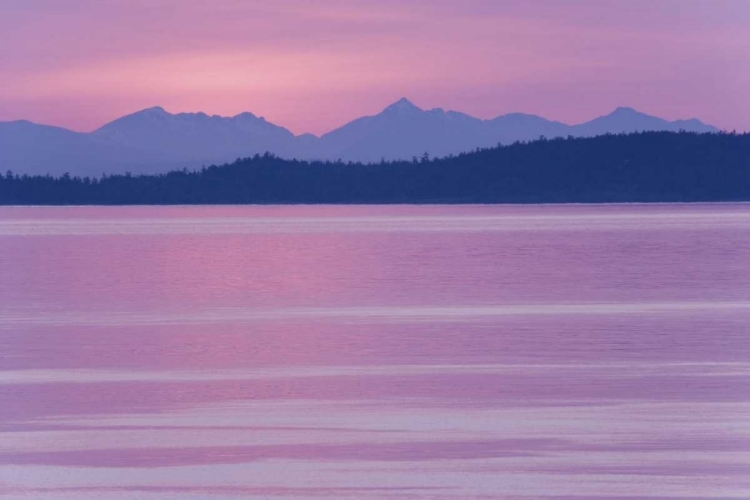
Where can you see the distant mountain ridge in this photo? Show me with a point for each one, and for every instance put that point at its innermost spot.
(154, 140)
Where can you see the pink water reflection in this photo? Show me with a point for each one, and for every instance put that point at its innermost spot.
(141, 352)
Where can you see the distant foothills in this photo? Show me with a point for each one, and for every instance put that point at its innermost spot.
(634, 167)
(155, 141)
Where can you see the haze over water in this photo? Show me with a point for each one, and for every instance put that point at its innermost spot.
(375, 352)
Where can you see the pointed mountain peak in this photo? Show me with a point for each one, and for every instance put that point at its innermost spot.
(626, 118)
(155, 114)
(402, 106)
(624, 109)
(155, 110)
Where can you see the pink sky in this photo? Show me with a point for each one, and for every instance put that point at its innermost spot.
(313, 65)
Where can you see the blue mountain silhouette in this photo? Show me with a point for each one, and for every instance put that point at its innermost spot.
(154, 140)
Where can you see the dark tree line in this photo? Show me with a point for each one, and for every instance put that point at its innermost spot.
(641, 167)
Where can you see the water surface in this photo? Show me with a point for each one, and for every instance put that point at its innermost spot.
(466, 352)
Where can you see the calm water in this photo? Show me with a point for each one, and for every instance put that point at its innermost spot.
(375, 352)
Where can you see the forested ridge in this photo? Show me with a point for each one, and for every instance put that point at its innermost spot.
(639, 167)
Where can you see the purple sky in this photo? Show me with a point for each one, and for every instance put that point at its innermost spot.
(312, 65)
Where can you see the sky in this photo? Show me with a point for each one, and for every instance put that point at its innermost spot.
(312, 65)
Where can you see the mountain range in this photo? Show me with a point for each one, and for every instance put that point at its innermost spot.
(153, 140)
